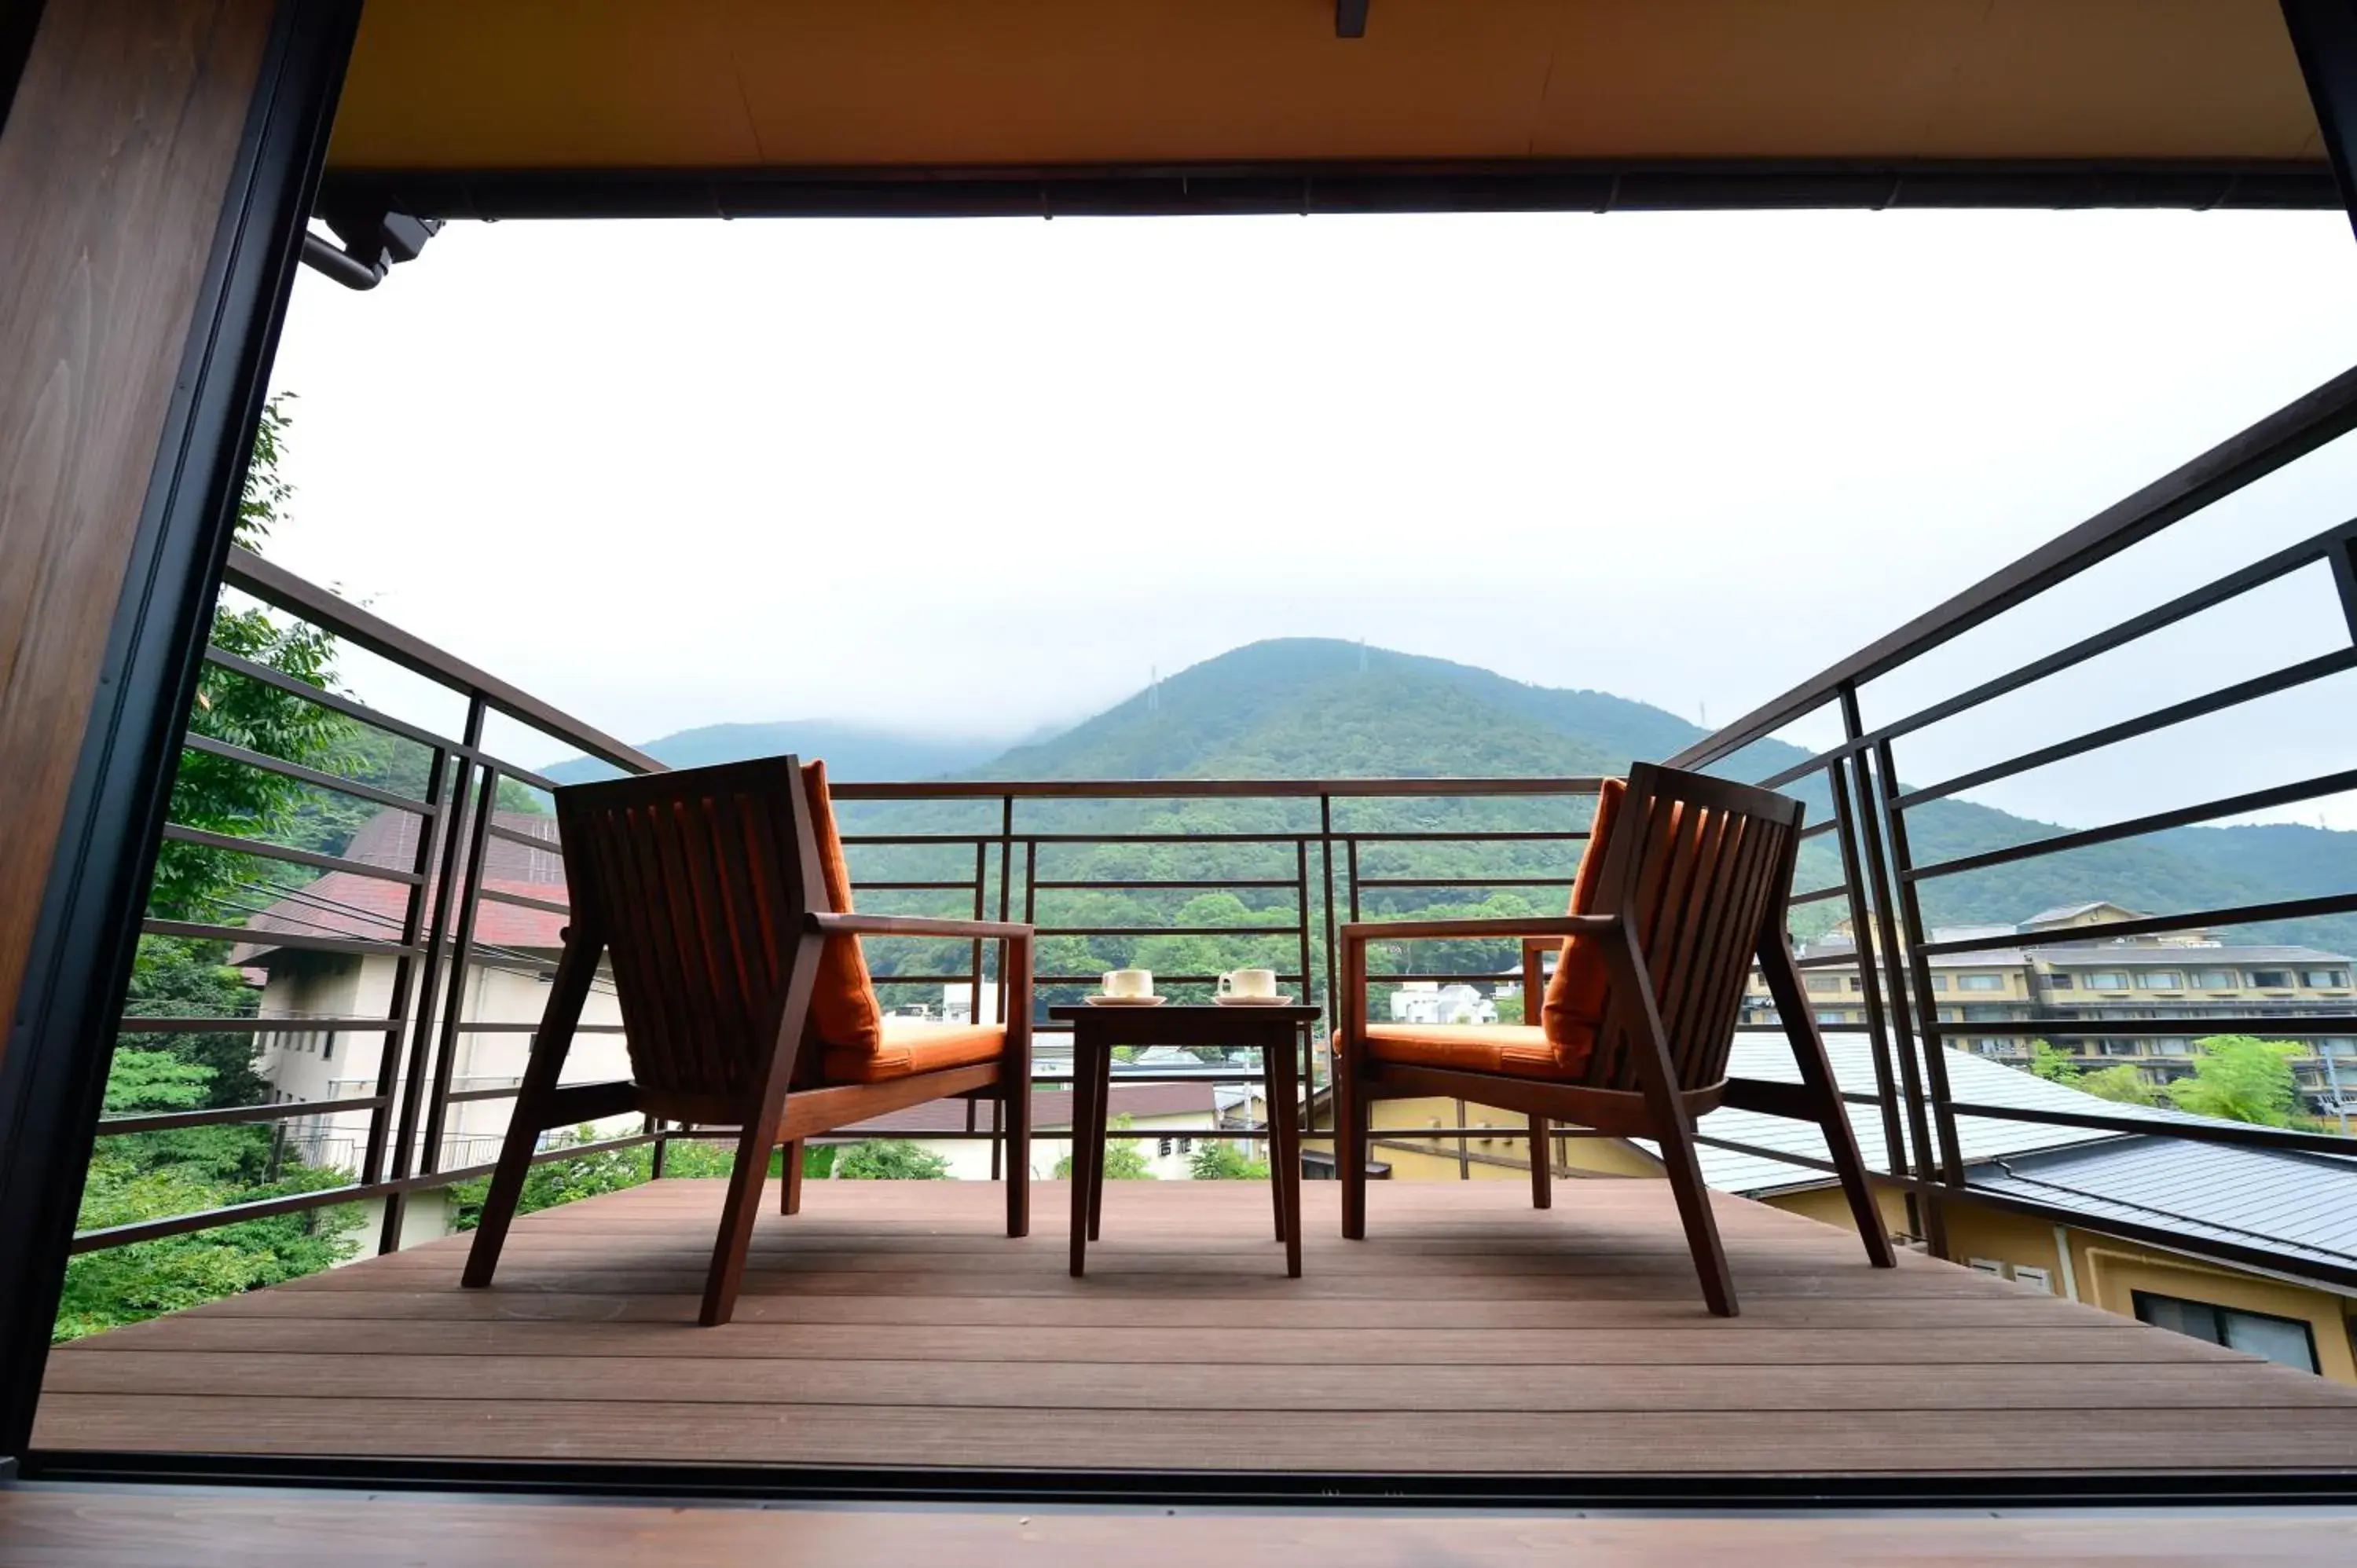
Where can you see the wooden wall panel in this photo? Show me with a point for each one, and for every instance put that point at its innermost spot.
(114, 167)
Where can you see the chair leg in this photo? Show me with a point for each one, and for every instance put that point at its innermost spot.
(1672, 1127)
(736, 1212)
(1017, 1114)
(1542, 1164)
(789, 1183)
(1351, 1120)
(1782, 975)
(568, 992)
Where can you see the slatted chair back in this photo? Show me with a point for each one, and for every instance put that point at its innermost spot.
(698, 882)
(1701, 867)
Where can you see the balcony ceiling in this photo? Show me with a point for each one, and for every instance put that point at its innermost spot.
(597, 86)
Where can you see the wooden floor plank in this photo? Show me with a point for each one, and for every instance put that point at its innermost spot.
(891, 1325)
(59, 1529)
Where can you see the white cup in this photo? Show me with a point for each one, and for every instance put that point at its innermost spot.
(1255, 983)
(1129, 983)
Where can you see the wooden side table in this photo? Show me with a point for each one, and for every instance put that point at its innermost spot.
(1275, 1031)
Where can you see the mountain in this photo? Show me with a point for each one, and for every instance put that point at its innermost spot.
(1305, 708)
(1313, 708)
(852, 751)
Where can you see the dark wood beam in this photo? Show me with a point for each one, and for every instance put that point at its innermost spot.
(2324, 36)
(157, 165)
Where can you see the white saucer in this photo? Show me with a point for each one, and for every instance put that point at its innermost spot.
(1233, 1000)
(1101, 1000)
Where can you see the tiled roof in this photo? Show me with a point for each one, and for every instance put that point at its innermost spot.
(2302, 1205)
(345, 904)
(1970, 1078)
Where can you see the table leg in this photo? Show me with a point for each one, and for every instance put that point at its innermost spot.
(1097, 1145)
(1285, 1154)
(1085, 1139)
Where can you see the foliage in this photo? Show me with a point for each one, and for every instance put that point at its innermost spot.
(887, 1159)
(1217, 1159)
(150, 1175)
(2125, 1084)
(1125, 1159)
(2242, 1079)
(2052, 1063)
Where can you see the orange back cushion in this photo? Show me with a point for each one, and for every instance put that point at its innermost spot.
(1575, 991)
(844, 1010)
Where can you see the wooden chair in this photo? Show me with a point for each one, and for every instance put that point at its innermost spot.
(723, 897)
(1685, 881)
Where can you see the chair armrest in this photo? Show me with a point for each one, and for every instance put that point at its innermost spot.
(1554, 928)
(856, 925)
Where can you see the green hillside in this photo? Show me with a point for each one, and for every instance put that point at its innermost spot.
(1306, 708)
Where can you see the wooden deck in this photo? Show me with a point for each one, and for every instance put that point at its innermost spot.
(889, 1324)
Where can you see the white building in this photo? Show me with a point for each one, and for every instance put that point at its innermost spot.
(1429, 1002)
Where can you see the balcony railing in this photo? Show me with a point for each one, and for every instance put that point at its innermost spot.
(1313, 859)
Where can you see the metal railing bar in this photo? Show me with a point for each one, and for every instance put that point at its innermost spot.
(2224, 697)
(2284, 1026)
(2291, 432)
(296, 770)
(523, 901)
(530, 841)
(173, 1120)
(264, 850)
(1166, 930)
(533, 1028)
(198, 930)
(2183, 816)
(133, 1024)
(1470, 835)
(1839, 890)
(1213, 789)
(1118, 885)
(325, 1198)
(2199, 1130)
(2238, 915)
(275, 585)
(1565, 881)
(912, 886)
(1815, 831)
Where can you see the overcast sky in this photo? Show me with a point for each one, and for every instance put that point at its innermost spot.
(984, 475)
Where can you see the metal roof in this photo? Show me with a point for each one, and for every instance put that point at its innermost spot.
(2304, 1206)
(1970, 1078)
(524, 107)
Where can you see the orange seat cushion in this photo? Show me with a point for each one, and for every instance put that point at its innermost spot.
(910, 1045)
(844, 1011)
(1522, 1050)
(1575, 993)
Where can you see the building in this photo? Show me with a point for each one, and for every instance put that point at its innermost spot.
(1430, 1002)
(2064, 969)
(516, 940)
(1163, 1122)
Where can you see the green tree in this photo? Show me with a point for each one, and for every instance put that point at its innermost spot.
(889, 1159)
(2125, 1083)
(2242, 1079)
(1125, 1159)
(1218, 1159)
(2052, 1063)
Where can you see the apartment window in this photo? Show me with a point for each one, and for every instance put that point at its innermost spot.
(2216, 979)
(1829, 1015)
(2107, 980)
(2160, 980)
(1989, 1047)
(1980, 983)
(2175, 1047)
(1950, 1015)
(2327, 978)
(1939, 983)
(2340, 1047)
(1855, 984)
(2123, 1047)
(2061, 982)
(2285, 1340)
(2271, 979)
(1824, 982)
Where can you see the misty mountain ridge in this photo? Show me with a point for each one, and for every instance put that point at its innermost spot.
(1312, 707)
